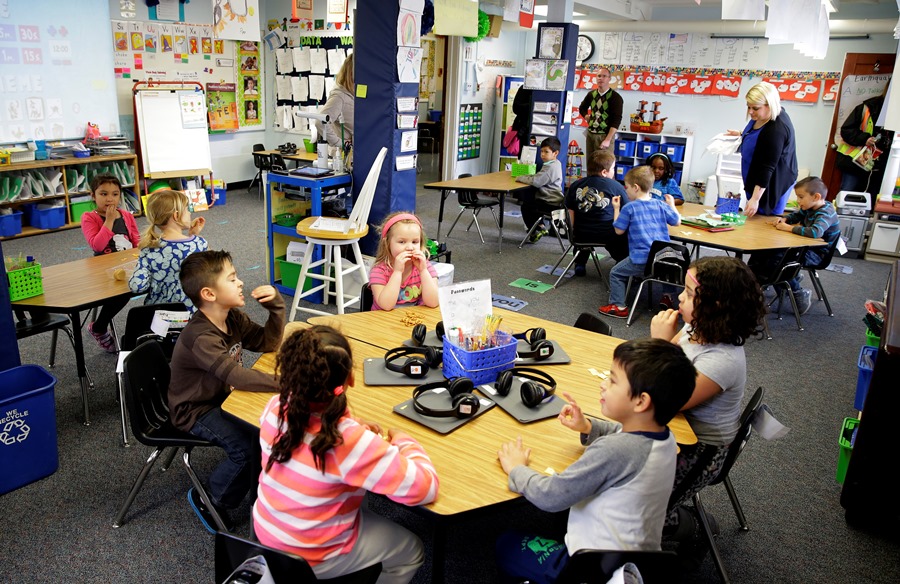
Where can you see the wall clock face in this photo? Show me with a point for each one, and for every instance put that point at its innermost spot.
(585, 48)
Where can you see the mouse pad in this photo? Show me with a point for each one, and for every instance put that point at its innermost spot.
(511, 403)
(375, 373)
(431, 340)
(440, 400)
(559, 357)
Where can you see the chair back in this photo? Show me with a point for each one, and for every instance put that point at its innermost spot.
(258, 147)
(366, 299)
(137, 327)
(829, 254)
(667, 262)
(147, 375)
(786, 269)
(464, 196)
(590, 566)
(29, 324)
(262, 161)
(360, 214)
(591, 322)
(276, 162)
(743, 435)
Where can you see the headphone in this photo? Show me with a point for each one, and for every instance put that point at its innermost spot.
(420, 331)
(541, 386)
(463, 403)
(415, 367)
(540, 348)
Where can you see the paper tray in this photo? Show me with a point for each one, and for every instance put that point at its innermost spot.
(375, 373)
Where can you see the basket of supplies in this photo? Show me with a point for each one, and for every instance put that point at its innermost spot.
(519, 169)
(728, 205)
(25, 282)
(481, 366)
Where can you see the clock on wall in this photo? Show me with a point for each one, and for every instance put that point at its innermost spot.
(585, 48)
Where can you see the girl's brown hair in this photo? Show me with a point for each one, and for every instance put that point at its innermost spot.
(162, 206)
(383, 253)
(312, 363)
(729, 306)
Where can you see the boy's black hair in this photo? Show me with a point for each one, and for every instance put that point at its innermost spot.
(660, 369)
(813, 185)
(102, 179)
(200, 270)
(668, 167)
(552, 143)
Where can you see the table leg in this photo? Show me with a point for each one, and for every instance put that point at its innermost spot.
(75, 317)
(500, 223)
(438, 551)
(444, 194)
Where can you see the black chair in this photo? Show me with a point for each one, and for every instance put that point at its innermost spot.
(814, 274)
(737, 445)
(263, 163)
(231, 551)
(472, 201)
(147, 377)
(29, 325)
(276, 162)
(590, 566)
(778, 277)
(366, 300)
(592, 322)
(667, 263)
(137, 331)
(574, 247)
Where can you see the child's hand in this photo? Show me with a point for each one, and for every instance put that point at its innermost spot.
(264, 293)
(782, 225)
(669, 199)
(419, 260)
(400, 261)
(513, 454)
(664, 325)
(370, 426)
(110, 214)
(197, 225)
(616, 202)
(572, 417)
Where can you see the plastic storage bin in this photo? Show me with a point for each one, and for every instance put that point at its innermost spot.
(872, 340)
(52, 218)
(845, 444)
(25, 283)
(622, 170)
(216, 198)
(675, 152)
(28, 449)
(79, 209)
(625, 147)
(290, 273)
(480, 366)
(646, 149)
(11, 224)
(866, 362)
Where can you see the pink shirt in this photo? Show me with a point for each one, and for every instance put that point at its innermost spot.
(410, 289)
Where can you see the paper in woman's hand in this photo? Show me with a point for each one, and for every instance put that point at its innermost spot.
(724, 144)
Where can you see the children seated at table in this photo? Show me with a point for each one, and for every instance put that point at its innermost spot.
(664, 177)
(545, 193)
(207, 364)
(402, 274)
(164, 246)
(617, 490)
(319, 462)
(815, 218)
(589, 205)
(646, 220)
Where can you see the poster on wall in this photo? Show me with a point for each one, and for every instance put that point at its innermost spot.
(223, 115)
(792, 89)
(249, 89)
(236, 19)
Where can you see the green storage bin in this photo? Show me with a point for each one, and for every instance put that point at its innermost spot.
(79, 209)
(290, 273)
(519, 169)
(845, 442)
(872, 340)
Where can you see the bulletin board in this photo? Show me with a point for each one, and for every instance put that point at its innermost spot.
(57, 71)
(172, 132)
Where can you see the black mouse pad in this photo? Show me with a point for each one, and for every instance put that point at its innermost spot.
(511, 403)
(439, 401)
(559, 357)
(375, 373)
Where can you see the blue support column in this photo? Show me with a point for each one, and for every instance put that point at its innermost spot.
(375, 115)
(9, 346)
(569, 48)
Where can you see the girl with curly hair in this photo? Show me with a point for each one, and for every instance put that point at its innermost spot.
(319, 461)
(722, 306)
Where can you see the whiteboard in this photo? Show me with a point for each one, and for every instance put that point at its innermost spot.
(173, 137)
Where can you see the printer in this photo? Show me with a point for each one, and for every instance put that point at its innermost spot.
(853, 203)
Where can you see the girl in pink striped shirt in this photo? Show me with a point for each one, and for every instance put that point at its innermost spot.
(319, 462)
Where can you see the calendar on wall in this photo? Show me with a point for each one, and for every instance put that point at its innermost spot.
(470, 116)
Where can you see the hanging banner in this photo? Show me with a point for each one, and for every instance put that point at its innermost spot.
(793, 89)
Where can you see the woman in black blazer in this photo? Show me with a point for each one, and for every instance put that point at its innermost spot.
(768, 152)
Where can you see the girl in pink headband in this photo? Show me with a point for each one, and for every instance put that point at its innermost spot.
(402, 274)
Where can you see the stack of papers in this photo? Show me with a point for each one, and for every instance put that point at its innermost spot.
(331, 224)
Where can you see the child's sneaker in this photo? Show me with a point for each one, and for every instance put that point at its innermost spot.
(803, 299)
(103, 339)
(537, 235)
(203, 513)
(614, 311)
(580, 270)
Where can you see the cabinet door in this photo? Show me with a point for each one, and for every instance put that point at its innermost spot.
(885, 238)
(853, 229)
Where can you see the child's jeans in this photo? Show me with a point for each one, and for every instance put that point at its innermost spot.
(533, 209)
(618, 280)
(239, 472)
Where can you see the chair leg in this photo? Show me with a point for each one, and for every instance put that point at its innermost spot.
(338, 279)
(710, 538)
(120, 387)
(820, 290)
(474, 218)
(527, 235)
(477, 226)
(790, 296)
(461, 211)
(738, 510)
(599, 271)
(118, 522)
(186, 459)
(566, 269)
(634, 304)
(53, 339)
(301, 280)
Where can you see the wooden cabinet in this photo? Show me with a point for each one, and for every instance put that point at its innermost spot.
(67, 179)
(633, 148)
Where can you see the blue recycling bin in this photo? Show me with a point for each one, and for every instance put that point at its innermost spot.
(28, 449)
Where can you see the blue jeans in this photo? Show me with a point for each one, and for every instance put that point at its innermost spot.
(530, 557)
(618, 279)
(239, 472)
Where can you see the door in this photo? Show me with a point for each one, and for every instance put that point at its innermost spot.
(854, 64)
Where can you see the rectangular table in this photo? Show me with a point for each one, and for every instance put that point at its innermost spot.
(757, 234)
(80, 285)
(473, 482)
(500, 183)
(300, 156)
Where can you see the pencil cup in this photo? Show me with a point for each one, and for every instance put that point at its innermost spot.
(480, 366)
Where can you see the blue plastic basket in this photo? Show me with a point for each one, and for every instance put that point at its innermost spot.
(480, 366)
(727, 205)
(866, 364)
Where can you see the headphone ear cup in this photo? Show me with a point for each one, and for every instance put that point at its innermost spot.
(418, 334)
(532, 393)
(434, 356)
(541, 349)
(416, 367)
(503, 382)
(460, 385)
(439, 330)
(537, 334)
(465, 404)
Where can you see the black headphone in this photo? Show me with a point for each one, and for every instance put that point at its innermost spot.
(463, 403)
(540, 348)
(420, 331)
(415, 367)
(541, 387)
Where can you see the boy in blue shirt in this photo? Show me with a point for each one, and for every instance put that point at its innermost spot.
(545, 193)
(646, 220)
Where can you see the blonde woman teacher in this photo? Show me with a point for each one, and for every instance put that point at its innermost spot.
(768, 152)
(339, 107)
